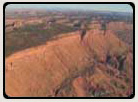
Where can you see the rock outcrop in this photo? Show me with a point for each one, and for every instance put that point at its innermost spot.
(40, 71)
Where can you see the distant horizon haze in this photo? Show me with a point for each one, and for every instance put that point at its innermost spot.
(83, 7)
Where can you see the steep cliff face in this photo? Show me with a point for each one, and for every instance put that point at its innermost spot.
(47, 69)
(123, 30)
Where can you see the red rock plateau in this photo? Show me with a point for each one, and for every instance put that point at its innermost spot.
(69, 67)
(123, 30)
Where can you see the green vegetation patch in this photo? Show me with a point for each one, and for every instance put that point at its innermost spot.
(32, 35)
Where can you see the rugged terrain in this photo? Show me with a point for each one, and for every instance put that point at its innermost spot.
(99, 66)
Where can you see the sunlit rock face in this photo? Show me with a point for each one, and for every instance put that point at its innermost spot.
(41, 70)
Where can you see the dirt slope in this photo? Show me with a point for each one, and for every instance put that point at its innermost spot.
(40, 71)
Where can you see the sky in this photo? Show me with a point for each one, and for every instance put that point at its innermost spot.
(97, 7)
